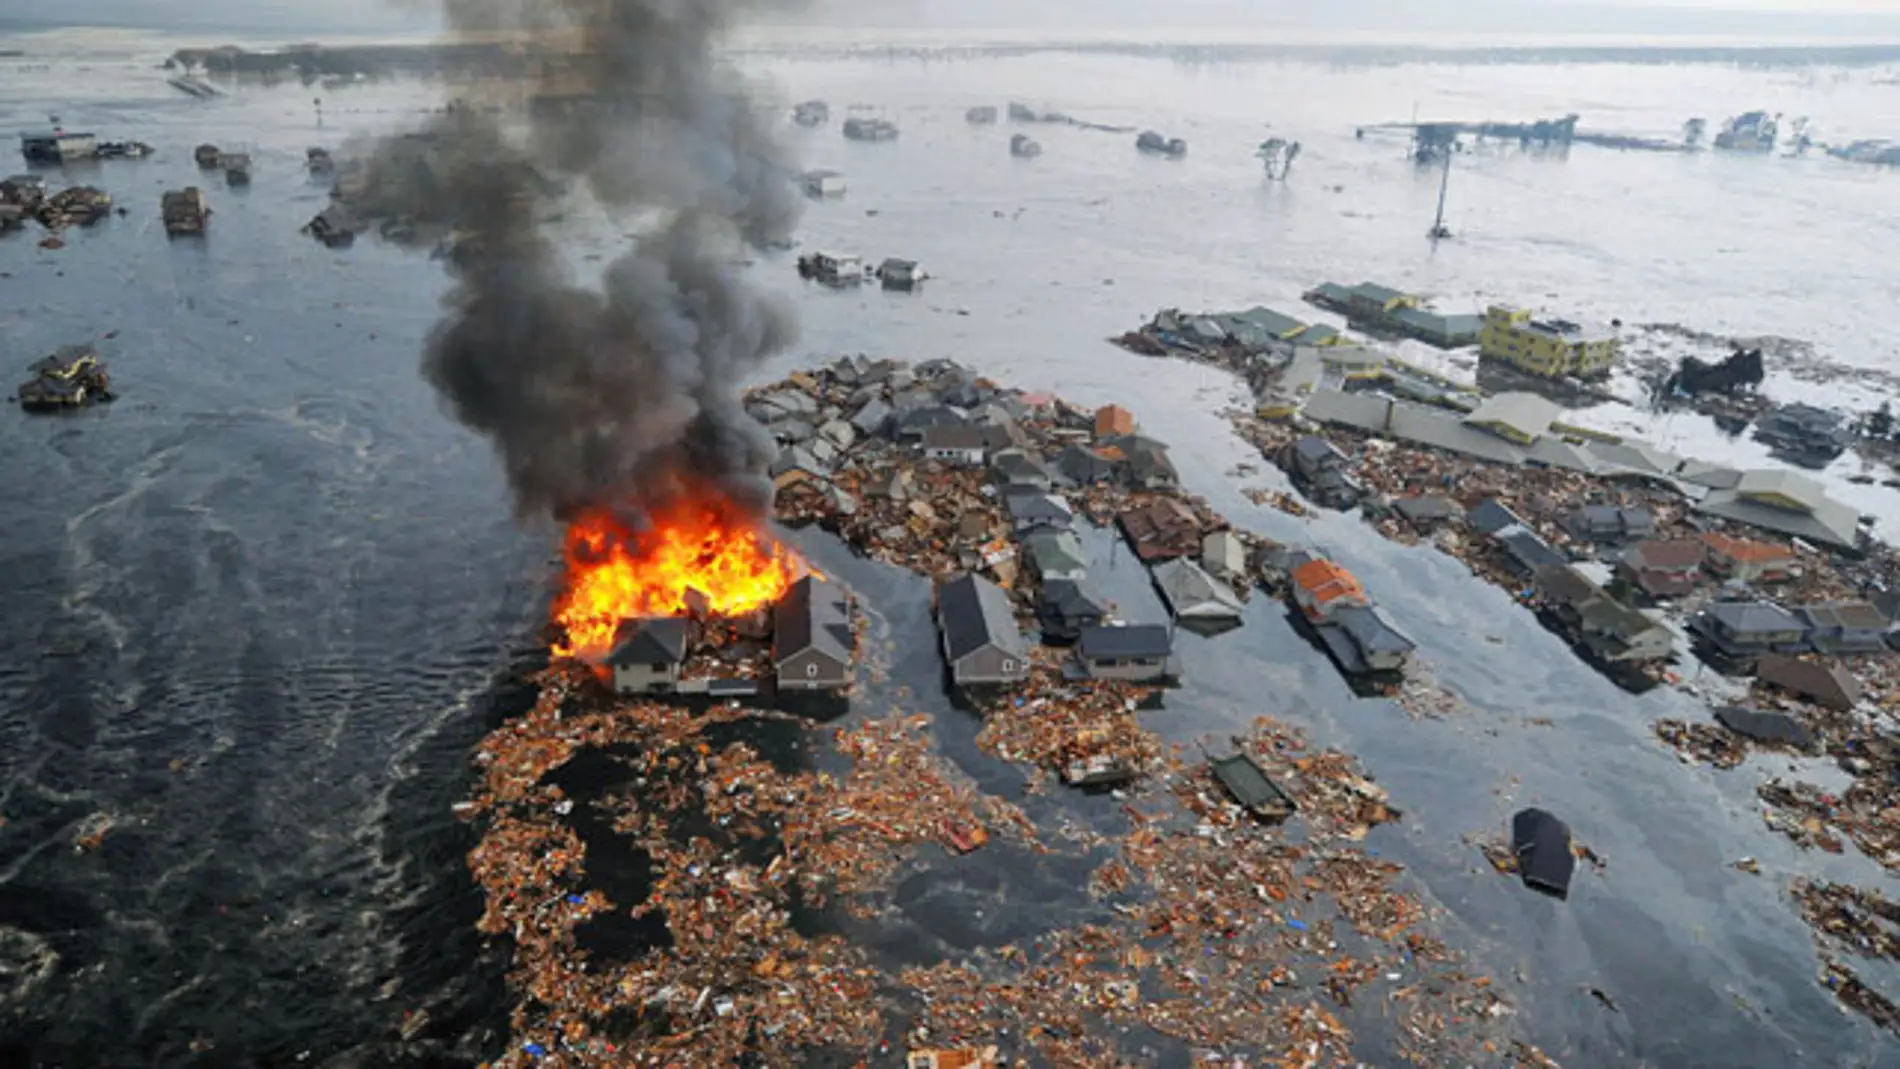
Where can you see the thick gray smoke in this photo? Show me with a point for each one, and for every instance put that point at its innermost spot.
(624, 393)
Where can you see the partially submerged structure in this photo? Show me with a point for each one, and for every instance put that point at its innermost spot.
(1250, 786)
(812, 637)
(981, 642)
(822, 184)
(1140, 653)
(836, 270)
(58, 146)
(648, 655)
(236, 167)
(1804, 434)
(1024, 147)
(898, 274)
(1195, 596)
(184, 211)
(1393, 311)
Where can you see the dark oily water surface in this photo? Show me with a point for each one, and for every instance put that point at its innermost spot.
(258, 607)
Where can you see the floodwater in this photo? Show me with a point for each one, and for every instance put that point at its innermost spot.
(261, 607)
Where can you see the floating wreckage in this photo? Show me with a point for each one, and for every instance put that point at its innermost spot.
(812, 113)
(184, 211)
(1155, 144)
(870, 130)
(72, 377)
(1025, 113)
(207, 156)
(63, 146)
(1755, 131)
(1024, 147)
(982, 115)
(318, 161)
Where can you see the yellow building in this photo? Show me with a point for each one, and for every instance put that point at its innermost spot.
(1553, 348)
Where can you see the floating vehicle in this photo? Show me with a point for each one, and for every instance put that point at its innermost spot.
(1251, 786)
(184, 211)
(812, 113)
(1024, 147)
(71, 377)
(329, 226)
(1154, 144)
(982, 115)
(838, 271)
(207, 156)
(1755, 132)
(870, 130)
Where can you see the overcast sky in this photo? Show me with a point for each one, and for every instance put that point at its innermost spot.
(1511, 16)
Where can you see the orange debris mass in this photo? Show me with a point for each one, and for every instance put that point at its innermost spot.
(616, 573)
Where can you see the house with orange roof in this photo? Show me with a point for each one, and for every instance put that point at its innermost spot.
(1113, 421)
(1321, 588)
(1749, 561)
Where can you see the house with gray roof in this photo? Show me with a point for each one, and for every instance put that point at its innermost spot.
(1517, 417)
(1828, 685)
(1610, 524)
(648, 654)
(1845, 627)
(1140, 653)
(981, 642)
(812, 637)
(1742, 631)
(1088, 467)
(1016, 470)
(1192, 594)
(1490, 516)
(1524, 551)
(1364, 641)
(1055, 554)
(1064, 607)
(1786, 503)
(961, 444)
(1031, 512)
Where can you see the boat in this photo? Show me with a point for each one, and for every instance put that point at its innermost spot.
(1251, 786)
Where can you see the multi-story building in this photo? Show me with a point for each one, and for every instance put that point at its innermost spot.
(1552, 348)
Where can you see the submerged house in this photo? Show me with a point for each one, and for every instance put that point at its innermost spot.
(1804, 434)
(812, 637)
(1322, 472)
(1364, 642)
(1141, 653)
(1746, 630)
(981, 641)
(1033, 512)
(1067, 607)
(1603, 625)
(1055, 554)
(1610, 524)
(1322, 588)
(1845, 627)
(1192, 594)
(648, 655)
(1224, 556)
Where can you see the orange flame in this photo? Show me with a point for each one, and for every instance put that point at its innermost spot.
(615, 573)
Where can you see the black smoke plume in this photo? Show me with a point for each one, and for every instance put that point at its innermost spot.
(625, 392)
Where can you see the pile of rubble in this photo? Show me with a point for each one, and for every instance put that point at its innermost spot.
(1709, 743)
(1084, 732)
(81, 205)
